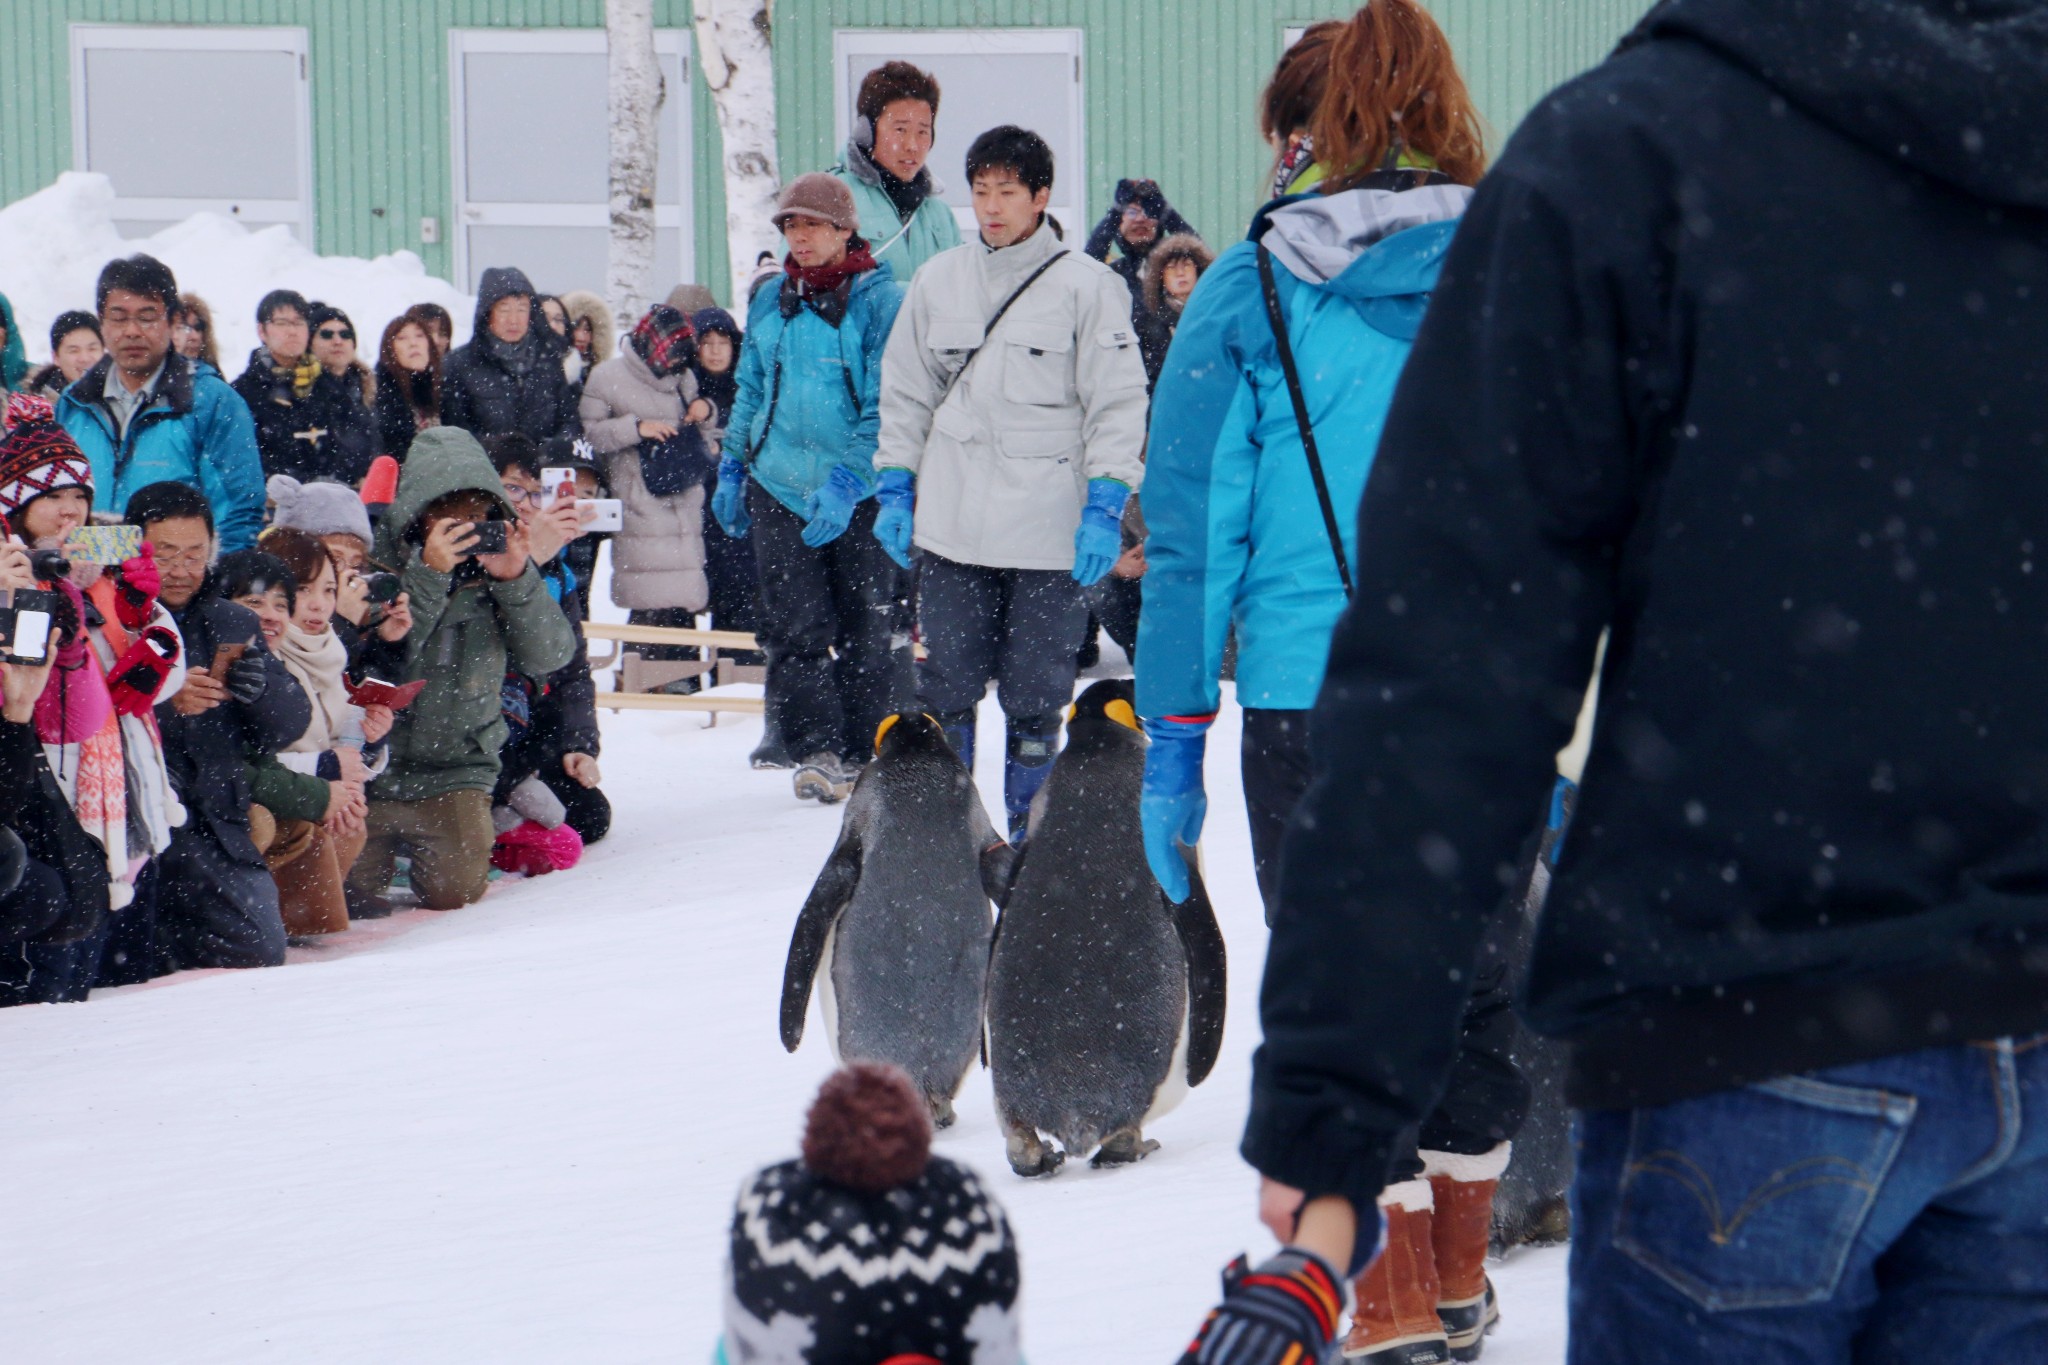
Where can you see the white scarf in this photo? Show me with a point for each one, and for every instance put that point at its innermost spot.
(318, 662)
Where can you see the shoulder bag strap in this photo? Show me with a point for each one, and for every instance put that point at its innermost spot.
(774, 397)
(989, 330)
(1308, 433)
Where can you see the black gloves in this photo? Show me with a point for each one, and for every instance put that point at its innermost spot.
(1285, 1310)
(1146, 194)
(247, 677)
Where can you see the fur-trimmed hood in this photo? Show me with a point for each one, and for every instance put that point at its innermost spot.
(604, 329)
(1181, 246)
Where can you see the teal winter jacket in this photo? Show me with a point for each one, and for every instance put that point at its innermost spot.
(810, 393)
(1236, 537)
(196, 430)
(900, 245)
(13, 355)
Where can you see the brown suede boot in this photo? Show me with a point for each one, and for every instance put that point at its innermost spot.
(1461, 1191)
(1396, 1322)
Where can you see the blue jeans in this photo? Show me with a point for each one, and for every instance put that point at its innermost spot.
(1883, 1213)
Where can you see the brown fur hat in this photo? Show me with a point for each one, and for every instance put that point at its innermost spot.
(1182, 246)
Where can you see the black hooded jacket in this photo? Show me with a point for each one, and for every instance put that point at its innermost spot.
(1739, 352)
(489, 388)
(325, 433)
(1130, 262)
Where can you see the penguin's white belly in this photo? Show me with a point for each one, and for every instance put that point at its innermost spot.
(1174, 1088)
(828, 999)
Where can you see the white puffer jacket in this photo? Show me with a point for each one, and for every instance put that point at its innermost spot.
(658, 558)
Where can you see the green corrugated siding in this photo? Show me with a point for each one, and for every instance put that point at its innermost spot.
(1169, 87)
(380, 105)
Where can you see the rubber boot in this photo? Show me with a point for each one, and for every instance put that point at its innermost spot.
(959, 731)
(1461, 1188)
(1026, 765)
(1396, 1322)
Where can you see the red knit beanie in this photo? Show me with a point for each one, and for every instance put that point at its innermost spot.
(37, 457)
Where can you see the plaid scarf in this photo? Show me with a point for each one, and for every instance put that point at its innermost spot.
(665, 340)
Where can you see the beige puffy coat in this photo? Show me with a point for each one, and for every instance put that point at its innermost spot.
(658, 558)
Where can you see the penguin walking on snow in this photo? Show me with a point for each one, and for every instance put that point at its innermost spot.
(897, 927)
(1105, 1000)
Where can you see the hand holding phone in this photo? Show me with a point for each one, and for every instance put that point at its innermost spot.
(104, 544)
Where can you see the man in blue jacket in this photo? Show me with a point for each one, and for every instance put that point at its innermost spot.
(798, 470)
(146, 414)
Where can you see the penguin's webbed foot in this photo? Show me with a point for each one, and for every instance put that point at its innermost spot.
(1030, 1155)
(942, 1111)
(1121, 1149)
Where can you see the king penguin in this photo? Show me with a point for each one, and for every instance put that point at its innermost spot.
(897, 927)
(1105, 1000)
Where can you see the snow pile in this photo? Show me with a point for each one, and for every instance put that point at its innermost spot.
(54, 243)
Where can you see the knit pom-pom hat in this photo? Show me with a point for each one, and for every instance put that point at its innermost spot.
(37, 457)
(870, 1248)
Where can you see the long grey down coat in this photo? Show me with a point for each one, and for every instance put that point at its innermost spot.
(658, 558)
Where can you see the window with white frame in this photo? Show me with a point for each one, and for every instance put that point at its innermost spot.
(987, 77)
(195, 117)
(532, 156)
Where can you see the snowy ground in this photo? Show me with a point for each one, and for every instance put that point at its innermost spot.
(513, 1133)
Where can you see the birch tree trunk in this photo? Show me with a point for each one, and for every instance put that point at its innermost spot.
(735, 50)
(636, 95)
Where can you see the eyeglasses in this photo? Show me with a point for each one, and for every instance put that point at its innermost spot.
(196, 328)
(331, 334)
(518, 496)
(182, 557)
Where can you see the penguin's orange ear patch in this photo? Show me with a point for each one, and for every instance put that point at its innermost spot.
(883, 729)
(1122, 714)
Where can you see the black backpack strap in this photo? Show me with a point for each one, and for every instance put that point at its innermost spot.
(989, 329)
(774, 397)
(1275, 316)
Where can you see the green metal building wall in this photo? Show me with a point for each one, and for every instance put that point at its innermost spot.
(1169, 87)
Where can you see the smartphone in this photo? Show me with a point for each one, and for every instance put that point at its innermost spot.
(608, 514)
(490, 538)
(25, 622)
(104, 544)
(557, 481)
(223, 659)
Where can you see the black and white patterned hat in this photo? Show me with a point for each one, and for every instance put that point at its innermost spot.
(823, 1272)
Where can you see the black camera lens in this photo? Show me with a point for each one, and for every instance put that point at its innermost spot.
(48, 564)
(383, 588)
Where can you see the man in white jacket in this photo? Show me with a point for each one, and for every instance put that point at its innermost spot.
(1013, 430)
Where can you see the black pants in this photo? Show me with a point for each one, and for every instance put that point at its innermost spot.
(214, 909)
(668, 618)
(837, 664)
(1018, 626)
(1487, 1096)
(1116, 603)
(735, 584)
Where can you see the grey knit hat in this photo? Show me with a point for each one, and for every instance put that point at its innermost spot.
(821, 196)
(319, 508)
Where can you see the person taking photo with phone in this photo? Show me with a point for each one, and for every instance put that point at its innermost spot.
(215, 904)
(116, 653)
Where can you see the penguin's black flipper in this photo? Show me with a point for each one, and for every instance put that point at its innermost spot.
(1208, 971)
(829, 895)
(999, 863)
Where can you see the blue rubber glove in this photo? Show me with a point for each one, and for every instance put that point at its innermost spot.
(729, 502)
(831, 507)
(1173, 804)
(898, 497)
(1099, 540)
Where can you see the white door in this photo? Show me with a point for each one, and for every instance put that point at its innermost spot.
(987, 77)
(200, 117)
(532, 148)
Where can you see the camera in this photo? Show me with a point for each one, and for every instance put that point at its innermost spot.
(25, 625)
(382, 588)
(490, 538)
(48, 565)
